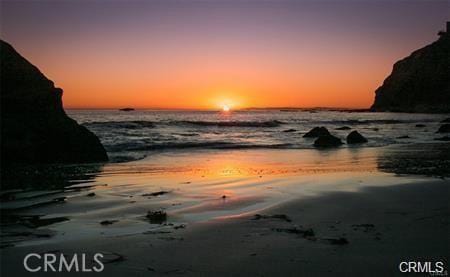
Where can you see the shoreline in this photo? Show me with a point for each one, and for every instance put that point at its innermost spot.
(383, 226)
(258, 212)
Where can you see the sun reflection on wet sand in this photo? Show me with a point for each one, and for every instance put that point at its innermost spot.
(208, 185)
(210, 164)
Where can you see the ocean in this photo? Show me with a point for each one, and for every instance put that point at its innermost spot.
(134, 135)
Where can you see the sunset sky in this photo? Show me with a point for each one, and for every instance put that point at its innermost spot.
(205, 54)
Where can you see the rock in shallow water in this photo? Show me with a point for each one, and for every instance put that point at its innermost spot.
(316, 132)
(355, 137)
(34, 126)
(327, 141)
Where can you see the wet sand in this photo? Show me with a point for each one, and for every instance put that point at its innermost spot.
(274, 219)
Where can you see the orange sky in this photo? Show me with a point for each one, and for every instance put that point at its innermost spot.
(202, 55)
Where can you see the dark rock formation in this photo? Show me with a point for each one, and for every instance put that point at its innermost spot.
(444, 129)
(420, 125)
(420, 82)
(355, 137)
(316, 132)
(126, 109)
(34, 126)
(326, 141)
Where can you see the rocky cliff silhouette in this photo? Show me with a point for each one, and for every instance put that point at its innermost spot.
(420, 82)
(34, 126)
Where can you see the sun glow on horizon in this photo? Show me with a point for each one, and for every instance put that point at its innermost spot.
(226, 108)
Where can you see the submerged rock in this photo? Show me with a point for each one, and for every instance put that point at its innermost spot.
(317, 132)
(355, 137)
(444, 129)
(327, 141)
(34, 126)
(420, 82)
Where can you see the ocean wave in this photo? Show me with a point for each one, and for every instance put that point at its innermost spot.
(368, 121)
(133, 147)
(257, 124)
(135, 124)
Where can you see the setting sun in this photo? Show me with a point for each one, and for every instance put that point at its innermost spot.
(225, 108)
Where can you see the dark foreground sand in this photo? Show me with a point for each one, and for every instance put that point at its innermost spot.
(383, 226)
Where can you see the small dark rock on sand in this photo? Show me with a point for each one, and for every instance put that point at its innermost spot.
(420, 125)
(327, 141)
(317, 132)
(156, 217)
(444, 129)
(403, 137)
(339, 241)
(355, 137)
(91, 194)
(365, 227)
(306, 233)
(275, 216)
(158, 193)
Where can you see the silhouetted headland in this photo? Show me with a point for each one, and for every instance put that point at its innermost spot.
(420, 82)
(34, 125)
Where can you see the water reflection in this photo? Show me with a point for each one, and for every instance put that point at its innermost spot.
(73, 200)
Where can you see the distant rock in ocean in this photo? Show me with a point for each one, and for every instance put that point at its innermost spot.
(420, 82)
(34, 125)
(126, 109)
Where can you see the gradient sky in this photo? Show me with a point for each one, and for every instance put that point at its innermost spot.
(203, 54)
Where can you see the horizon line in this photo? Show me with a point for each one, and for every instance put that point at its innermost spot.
(218, 109)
